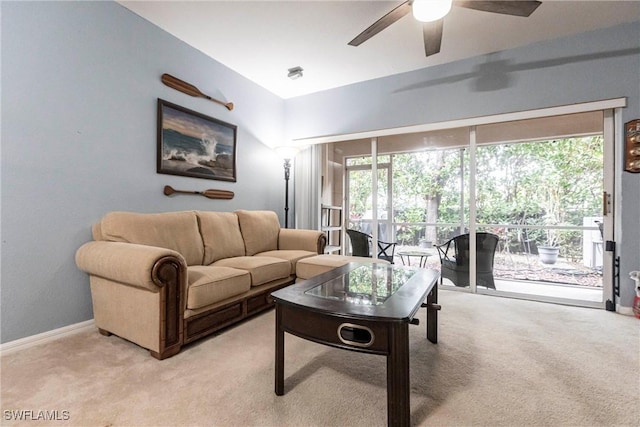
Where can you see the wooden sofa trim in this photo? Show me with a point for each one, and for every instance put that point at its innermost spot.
(231, 311)
(322, 243)
(170, 274)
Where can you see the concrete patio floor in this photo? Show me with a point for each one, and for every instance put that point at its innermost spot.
(523, 275)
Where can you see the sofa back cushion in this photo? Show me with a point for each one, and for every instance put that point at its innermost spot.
(221, 235)
(260, 230)
(172, 230)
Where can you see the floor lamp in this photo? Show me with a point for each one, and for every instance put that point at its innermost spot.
(286, 153)
(287, 171)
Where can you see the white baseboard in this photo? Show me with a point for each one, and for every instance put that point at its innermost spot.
(628, 311)
(24, 343)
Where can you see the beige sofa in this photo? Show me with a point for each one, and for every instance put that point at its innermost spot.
(164, 280)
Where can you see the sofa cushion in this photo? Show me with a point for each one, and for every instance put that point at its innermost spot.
(260, 230)
(310, 267)
(177, 231)
(221, 235)
(293, 256)
(208, 284)
(262, 269)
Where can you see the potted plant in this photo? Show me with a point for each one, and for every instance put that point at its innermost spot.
(553, 215)
(424, 243)
(549, 252)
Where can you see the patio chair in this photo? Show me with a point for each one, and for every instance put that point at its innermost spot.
(454, 260)
(361, 246)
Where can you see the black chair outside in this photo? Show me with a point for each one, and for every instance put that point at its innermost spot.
(454, 260)
(361, 246)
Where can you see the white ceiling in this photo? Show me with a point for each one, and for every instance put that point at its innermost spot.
(262, 39)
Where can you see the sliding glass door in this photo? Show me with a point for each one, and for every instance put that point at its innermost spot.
(543, 200)
(539, 186)
(533, 184)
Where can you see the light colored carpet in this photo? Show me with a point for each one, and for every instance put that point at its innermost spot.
(498, 362)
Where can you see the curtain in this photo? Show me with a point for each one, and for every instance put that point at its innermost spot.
(307, 188)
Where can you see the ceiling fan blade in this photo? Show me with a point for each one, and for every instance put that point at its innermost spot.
(432, 32)
(382, 23)
(515, 8)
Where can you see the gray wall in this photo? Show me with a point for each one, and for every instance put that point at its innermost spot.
(80, 82)
(593, 66)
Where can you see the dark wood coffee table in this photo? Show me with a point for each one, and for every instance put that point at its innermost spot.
(365, 308)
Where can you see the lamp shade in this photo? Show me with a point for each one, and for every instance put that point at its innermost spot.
(287, 151)
(430, 10)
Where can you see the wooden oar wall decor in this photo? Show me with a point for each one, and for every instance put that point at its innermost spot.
(189, 89)
(210, 194)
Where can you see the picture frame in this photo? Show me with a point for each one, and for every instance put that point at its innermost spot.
(195, 145)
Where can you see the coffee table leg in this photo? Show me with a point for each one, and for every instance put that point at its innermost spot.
(432, 315)
(398, 385)
(279, 368)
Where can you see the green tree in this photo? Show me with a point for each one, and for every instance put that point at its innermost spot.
(556, 182)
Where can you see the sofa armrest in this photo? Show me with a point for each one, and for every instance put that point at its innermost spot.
(136, 265)
(155, 319)
(307, 240)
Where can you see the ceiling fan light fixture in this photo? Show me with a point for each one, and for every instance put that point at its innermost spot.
(430, 10)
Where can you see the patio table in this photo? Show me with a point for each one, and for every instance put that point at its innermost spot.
(422, 254)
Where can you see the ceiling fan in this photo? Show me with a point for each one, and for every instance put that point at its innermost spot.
(432, 13)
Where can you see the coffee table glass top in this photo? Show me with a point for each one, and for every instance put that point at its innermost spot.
(379, 291)
(366, 285)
